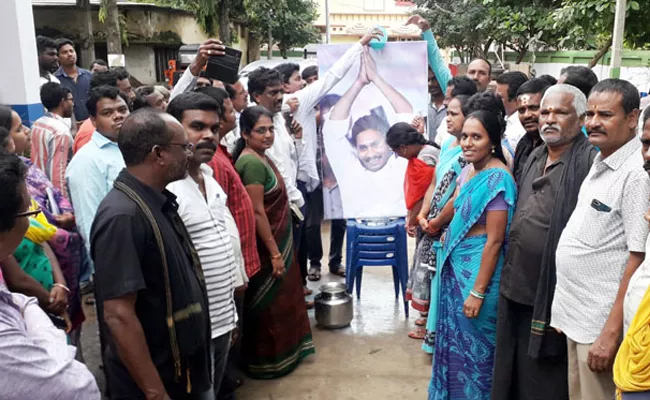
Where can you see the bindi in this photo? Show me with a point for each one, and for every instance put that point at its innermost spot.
(524, 99)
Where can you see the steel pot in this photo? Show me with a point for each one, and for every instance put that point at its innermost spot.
(333, 306)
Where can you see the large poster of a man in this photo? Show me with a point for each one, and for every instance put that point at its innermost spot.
(383, 87)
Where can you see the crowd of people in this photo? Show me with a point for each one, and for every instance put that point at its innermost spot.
(192, 218)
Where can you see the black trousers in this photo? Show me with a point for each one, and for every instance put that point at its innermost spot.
(312, 251)
(517, 376)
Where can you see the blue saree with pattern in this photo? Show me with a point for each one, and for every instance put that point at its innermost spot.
(464, 348)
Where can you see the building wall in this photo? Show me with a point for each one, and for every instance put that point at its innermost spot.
(141, 63)
(350, 19)
(147, 27)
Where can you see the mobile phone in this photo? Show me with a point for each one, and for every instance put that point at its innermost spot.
(288, 120)
(600, 206)
(57, 321)
(224, 68)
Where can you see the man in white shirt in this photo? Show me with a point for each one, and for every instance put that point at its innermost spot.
(364, 165)
(507, 85)
(239, 98)
(48, 59)
(36, 362)
(603, 243)
(306, 98)
(202, 206)
(266, 89)
(640, 281)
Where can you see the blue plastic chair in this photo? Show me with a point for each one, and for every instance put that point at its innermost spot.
(378, 244)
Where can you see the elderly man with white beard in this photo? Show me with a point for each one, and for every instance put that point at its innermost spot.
(548, 192)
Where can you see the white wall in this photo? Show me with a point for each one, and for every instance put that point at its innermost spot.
(141, 63)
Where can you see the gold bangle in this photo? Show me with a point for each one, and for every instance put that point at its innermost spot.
(276, 257)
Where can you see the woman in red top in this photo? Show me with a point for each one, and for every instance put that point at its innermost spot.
(407, 142)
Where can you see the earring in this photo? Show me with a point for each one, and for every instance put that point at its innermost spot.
(493, 150)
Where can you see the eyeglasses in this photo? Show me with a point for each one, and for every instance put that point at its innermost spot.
(28, 213)
(186, 146)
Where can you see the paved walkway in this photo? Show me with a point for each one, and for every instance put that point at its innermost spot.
(372, 359)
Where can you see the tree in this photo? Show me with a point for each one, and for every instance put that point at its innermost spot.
(299, 16)
(109, 16)
(518, 28)
(87, 38)
(454, 22)
(589, 24)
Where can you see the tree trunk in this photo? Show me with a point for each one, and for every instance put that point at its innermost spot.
(521, 54)
(224, 22)
(112, 25)
(601, 53)
(269, 41)
(254, 43)
(87, 40)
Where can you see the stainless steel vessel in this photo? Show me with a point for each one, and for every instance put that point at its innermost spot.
(333, 306)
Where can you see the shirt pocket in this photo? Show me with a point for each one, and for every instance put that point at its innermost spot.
(599, 226)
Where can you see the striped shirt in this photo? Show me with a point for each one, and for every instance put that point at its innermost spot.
(606, 225)
(241, 208)
(206, 224)
(52, 148)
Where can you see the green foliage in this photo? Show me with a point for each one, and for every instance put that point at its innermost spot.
(294, 25)
(456, 24)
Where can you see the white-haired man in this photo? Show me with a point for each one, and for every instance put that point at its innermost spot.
(532, 363)
(603, 243)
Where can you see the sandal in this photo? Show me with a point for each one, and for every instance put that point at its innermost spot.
(421, 321)
(314, 274)
(418, 333)
(340, 271)
(307, 291)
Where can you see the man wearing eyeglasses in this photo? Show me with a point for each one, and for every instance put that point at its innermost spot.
(37, 362)
(150, 287)
(93, 169)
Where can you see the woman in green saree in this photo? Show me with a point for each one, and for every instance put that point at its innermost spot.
(277, 335)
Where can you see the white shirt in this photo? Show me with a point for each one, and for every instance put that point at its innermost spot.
(595, 245)
(285, 153)
(50, 78)
(364, 193)
(636, 290)
(442, 134)
(308, 99)
(206, 224)
(514, 132)
(231, 138)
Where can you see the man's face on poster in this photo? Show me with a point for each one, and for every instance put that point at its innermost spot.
(372, 150)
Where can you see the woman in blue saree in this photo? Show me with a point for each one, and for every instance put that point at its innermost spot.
(423, 281)
(469, 265)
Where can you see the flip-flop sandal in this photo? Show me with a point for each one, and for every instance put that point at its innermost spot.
(314, 274)
(418, 334)
(339, 272)
(307, 291)
(421, 322)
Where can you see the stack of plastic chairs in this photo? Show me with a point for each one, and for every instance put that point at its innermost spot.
(377, 243)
